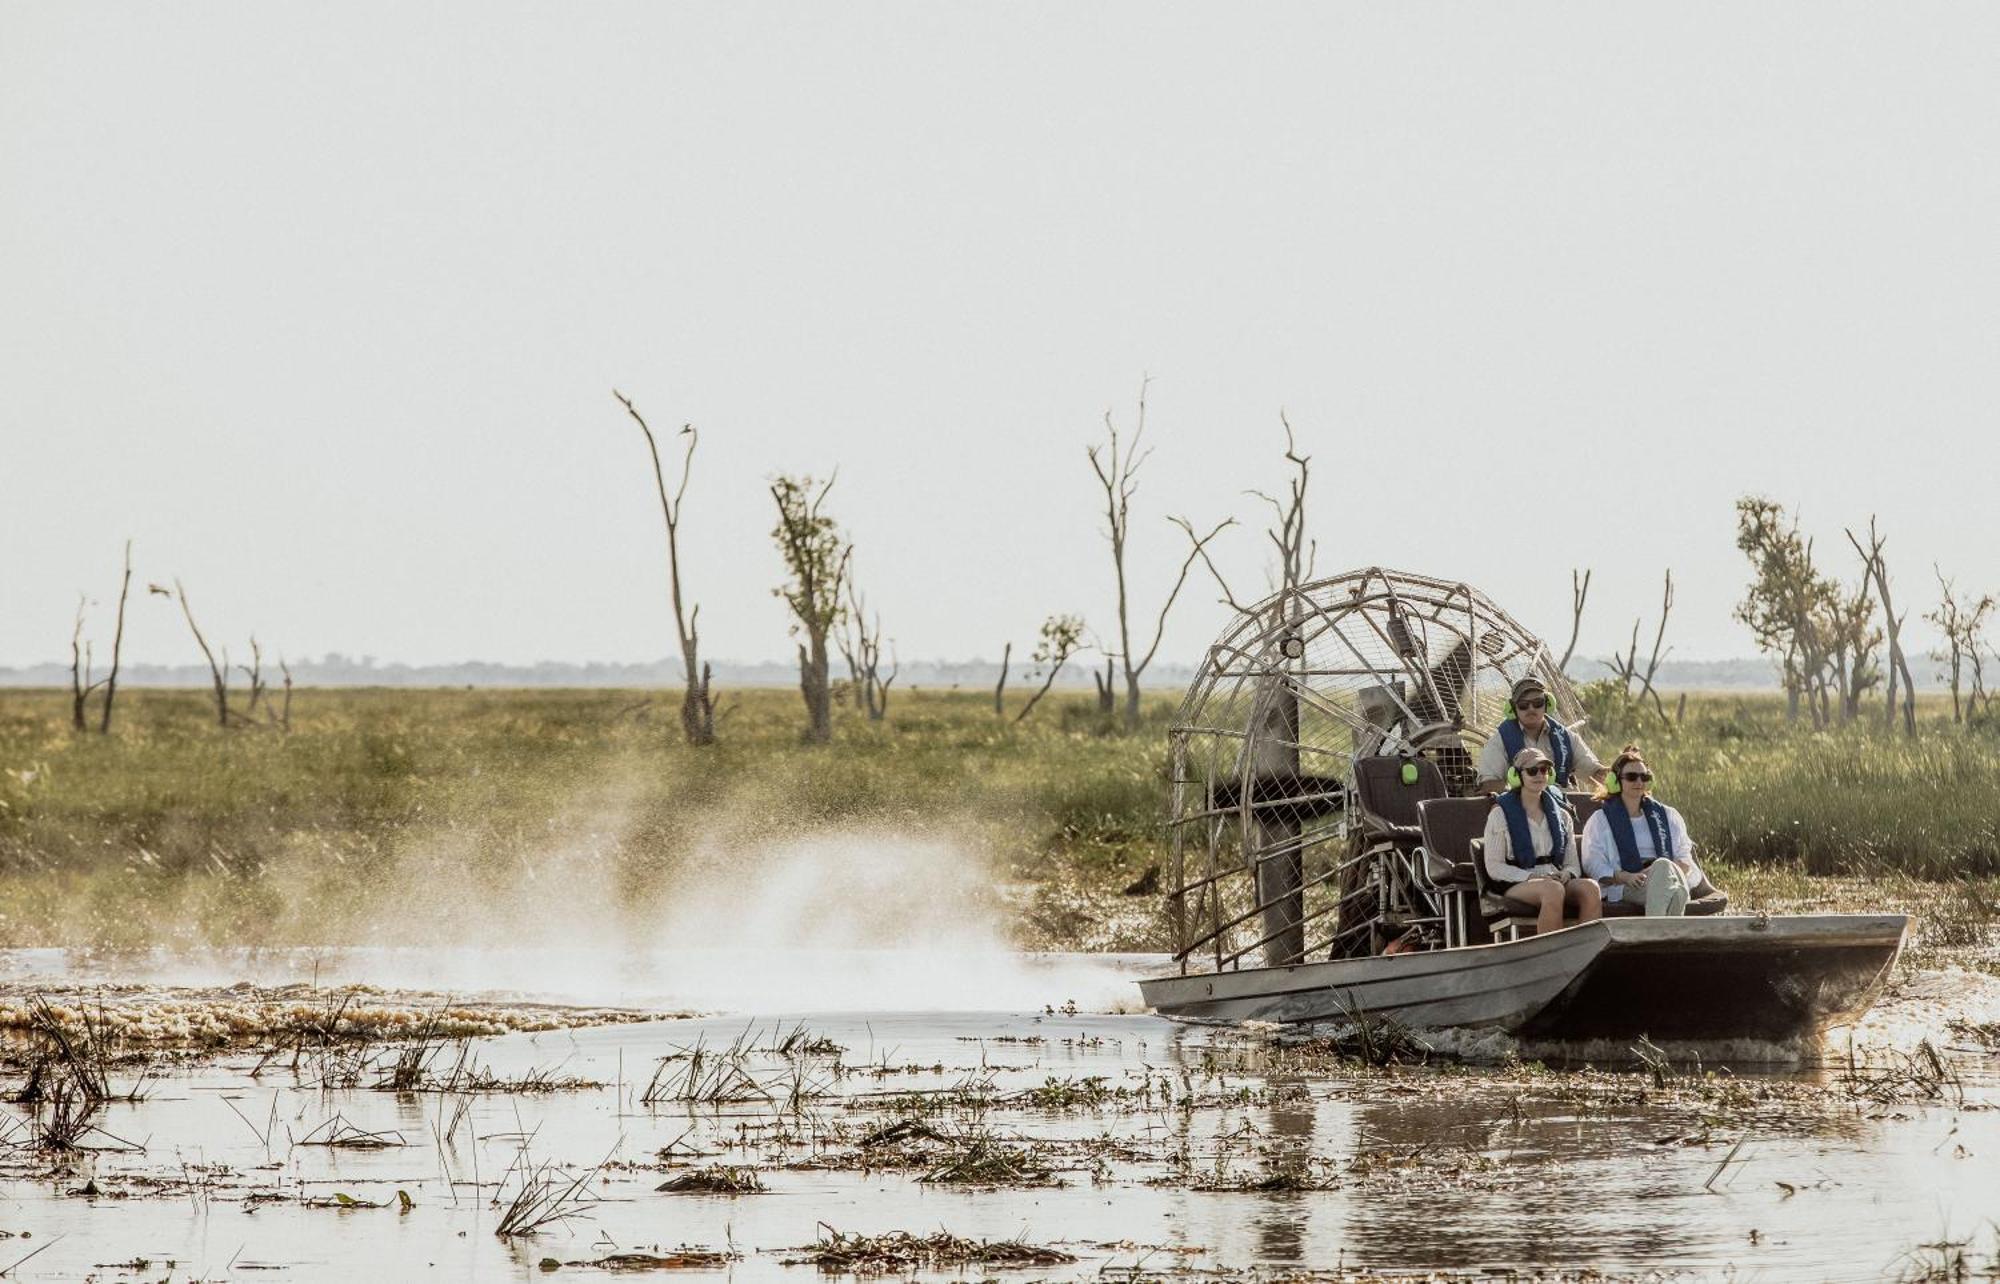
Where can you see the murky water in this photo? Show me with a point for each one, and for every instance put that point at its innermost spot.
(1151, 1135)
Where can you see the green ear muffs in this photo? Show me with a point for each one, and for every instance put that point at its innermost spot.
(1409, 773)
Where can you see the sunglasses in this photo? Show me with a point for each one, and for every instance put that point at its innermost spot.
(1533, 702)
(1638, 777)
(1541, 769)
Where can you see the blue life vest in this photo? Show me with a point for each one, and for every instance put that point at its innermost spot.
(1521, 841)
(1655, 815)
(1515, 740)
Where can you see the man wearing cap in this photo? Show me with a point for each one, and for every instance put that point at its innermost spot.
(1529, 726)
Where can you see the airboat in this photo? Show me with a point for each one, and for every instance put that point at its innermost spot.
(1324, 829)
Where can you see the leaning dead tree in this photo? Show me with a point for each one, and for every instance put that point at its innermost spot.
(861, 646)
(1116, 462)
(1962, 626)
(697, 699)
(1000, 687)
(1875, 568)
(815, 554)
(1626, 667)
(218, 672)
(1062, 637)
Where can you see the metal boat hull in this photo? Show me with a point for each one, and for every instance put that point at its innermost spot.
(1724, 977)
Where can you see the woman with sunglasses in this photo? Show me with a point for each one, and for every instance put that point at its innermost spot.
(1530, 847)
(1636, 846)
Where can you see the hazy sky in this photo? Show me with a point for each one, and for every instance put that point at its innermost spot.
(323, 304)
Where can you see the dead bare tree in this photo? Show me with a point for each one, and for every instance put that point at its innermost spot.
(861, 645)
(1873, 566)
(254, 671)
(117, 646)
(285, 709)
(1106, 682)
(83, 682)
(80, 685)
(1062, 637)
(815, 554)
(1579, 593)
(1000, 687)
(697, 700)
(1626, 667)
(1116, 464)
(218, 673)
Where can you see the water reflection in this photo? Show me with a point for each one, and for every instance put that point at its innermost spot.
(1289, 1128)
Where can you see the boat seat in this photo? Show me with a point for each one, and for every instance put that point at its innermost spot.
(1450, 827)
(1389, 803)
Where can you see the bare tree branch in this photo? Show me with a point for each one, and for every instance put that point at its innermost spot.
(1579, 591)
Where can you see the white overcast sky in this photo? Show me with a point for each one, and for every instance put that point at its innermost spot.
(323, 304)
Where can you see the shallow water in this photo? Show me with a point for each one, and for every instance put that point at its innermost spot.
(1427, 1169)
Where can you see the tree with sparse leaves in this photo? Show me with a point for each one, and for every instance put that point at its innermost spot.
(816, 554)
(1062, 637)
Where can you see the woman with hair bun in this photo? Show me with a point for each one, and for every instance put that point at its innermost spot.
(1636, 846)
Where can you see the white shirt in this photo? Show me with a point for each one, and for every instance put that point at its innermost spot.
(1600, 849)
(1498, 851)
(1493, 761)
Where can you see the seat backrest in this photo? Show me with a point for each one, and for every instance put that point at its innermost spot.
(1584, 805)
(1450, 825)
(1379, 787)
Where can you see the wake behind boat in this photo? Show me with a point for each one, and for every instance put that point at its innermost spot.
(1325, 853)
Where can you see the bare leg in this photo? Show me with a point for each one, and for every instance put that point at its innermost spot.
(1586, 896)
(1546, 895)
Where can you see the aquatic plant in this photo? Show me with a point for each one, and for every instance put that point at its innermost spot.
(716, 1179)
(900, 1251)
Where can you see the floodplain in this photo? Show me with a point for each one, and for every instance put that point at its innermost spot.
(507, 985)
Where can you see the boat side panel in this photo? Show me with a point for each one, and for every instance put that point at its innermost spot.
(1737, 984)
(1485, 986)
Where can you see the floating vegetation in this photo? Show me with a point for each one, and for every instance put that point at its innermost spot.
(288, 1021)
(982, 1160)
(716, 1179)
(679, 1259)
(338, 1134)
(1087, 1093)
(902, 1251)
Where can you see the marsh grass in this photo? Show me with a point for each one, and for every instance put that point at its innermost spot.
(361, 825)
